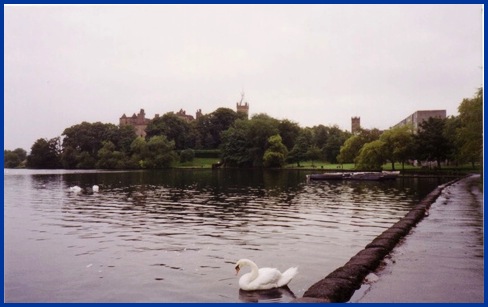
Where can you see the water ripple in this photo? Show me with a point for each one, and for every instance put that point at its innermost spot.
(176, 237)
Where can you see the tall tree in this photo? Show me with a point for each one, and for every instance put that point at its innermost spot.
(398, 144)
(470, 134)
(431, 143)
(139, 152)
(350, 150)
(45, 154)
(451, 129)
(261, 127)
(160, 152)
(314, 153)
(110, 158)
(335, 139)
(275, 155)
(174, 129)
(235, 145)
(371, 156)
(289, 132)
(302, 145)
(15, 158)
(244, 143)
(82, 142)
(209, 127)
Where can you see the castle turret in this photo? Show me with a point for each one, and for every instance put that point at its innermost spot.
(242, 106)
(123, 120)
(199, 114)
(182, 114)
(139, 122)
(355, 124)
(141, 116)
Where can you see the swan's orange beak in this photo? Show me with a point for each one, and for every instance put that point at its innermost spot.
(237, 269)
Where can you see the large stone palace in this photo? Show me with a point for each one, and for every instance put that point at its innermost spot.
(140, 122)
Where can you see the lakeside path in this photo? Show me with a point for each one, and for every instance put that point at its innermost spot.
(442, 258)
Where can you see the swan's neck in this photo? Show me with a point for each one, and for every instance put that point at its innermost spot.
(254, 269)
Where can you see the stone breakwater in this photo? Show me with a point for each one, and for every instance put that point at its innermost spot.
(340, 285)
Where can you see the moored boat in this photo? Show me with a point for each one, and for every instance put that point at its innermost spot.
(390, 174)
(366, 176)
(384, 175)
(326, 176)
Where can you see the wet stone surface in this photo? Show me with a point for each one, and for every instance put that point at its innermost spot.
(441, 259)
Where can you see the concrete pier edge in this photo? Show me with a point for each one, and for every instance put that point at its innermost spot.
(340, 285)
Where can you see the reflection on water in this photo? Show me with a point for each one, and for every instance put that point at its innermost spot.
(174, 236)
(272, 295)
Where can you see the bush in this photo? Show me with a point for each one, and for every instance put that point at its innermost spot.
(273, 159)
(210, 153)
(187, 155)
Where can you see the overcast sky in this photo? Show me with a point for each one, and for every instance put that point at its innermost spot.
(311, 64)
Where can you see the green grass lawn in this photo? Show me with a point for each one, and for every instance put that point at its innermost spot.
(198, 163)
(321, 165)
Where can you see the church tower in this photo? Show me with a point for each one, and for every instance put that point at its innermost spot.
(355, 124)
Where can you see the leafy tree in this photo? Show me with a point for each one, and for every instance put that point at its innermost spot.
(174, 129)
(289, 132)
(320, 135)
(431, 143)
(156, 153)
(85, 160)
(21, 153)
(244, 143)
(470, 134)
(329, 140)
(397, 145)
(336, 138)
(313, 153)
(10, 159)
(187, 155)
(139, 152)
(275, 155)
(350, 150)
(45, 154)
(261, 127)
(82, 142)
(451, 129)
(235, 145)
(110, 158)
(122, 137)
(371, 156)
(302, 145)
(209, 127)
(15, 158)
(160, 152)
(87, 137)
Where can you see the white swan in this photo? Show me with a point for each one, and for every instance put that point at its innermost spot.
(95, 188)
(75, 189)
(264, 278)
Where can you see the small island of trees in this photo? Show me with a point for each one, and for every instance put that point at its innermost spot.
(261, 141)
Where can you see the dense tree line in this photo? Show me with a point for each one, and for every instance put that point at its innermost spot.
(261, 141)
(14, 158)
(455, 139)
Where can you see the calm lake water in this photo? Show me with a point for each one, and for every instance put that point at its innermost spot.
(174, 236)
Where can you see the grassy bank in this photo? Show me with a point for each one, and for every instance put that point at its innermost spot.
(324, 166)
(198, 163)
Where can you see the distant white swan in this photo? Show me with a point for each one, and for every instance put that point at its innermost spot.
(75, 189)
(95, 188)
(263, 278)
